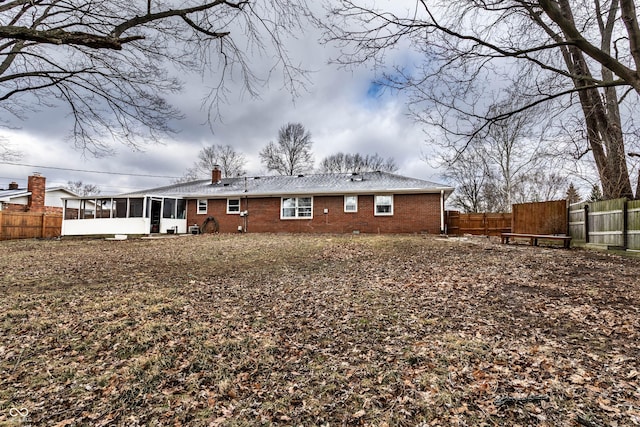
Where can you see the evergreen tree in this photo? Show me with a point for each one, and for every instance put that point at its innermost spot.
(572, 194)
(596, 194)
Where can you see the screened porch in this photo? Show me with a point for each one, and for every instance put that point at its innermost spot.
(124, 215)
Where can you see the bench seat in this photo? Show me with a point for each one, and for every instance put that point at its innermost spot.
(533, 238)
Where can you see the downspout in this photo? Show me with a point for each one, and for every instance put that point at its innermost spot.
(441, 211)
(246, 215)
(246, 206)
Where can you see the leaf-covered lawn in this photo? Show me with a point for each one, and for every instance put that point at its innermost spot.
(305, 330)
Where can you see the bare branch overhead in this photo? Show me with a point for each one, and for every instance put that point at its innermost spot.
(114, 62)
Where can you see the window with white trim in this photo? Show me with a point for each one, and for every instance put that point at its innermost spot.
(202, 206)
(233, 206)
(296, 207)
(384, 205)
(351, 203)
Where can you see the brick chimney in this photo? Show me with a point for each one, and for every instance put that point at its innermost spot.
(216, 174)
(13, 185)
(36, 185)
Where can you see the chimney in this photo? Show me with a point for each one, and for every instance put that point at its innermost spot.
(36, 185)
(216, 174)
(13, 185)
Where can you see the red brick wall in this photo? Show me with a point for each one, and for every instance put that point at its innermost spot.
(412, 213)
(14, 207)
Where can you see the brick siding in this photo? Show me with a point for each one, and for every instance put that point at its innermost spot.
(412, 213)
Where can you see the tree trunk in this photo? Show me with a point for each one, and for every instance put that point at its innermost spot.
(604, 130)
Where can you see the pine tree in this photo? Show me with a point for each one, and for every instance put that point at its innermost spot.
(572, 194)
(596, 193)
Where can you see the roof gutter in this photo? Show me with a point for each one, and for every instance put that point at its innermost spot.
(441, 190)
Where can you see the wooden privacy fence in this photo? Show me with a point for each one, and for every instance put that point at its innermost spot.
(487, 224)
(540, 217)
(29, 225)
(611, 223)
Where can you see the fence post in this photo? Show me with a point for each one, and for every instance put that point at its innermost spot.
(625, 225)
(486, 226)
(43, 225)
(1, 222)
(586, 223)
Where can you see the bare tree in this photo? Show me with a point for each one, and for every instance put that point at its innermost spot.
(230, 161)
(82, 189)
(340, 162)
(471, 177)
(292, 154)
(568, 55)
(7, 152)
(514, 159)
(512, 152)
(540, 186)
(109, 60)
(191, 174)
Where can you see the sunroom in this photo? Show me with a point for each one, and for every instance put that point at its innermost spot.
(124, 215)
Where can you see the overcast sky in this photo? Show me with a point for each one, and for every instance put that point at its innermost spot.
(340, 108)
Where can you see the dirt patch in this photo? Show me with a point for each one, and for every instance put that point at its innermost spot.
(316, 330)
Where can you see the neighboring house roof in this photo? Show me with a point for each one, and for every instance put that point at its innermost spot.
(9, 196)
(61, 188)
(315, 184)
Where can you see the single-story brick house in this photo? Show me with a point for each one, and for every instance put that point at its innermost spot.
(369, 202)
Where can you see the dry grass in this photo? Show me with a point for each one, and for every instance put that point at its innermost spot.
(244, 330)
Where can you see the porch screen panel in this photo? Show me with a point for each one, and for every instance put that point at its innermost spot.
(181, 208)
(119, 208)
(135, 208)
(103, 208)
(169, 210)
(86, 213)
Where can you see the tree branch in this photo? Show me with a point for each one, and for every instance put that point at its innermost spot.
(557, 14)
(61, 37)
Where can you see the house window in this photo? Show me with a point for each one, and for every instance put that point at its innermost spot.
(296, 207)
(384, 205)
(351, 203)
(233, 206)
(202, 206)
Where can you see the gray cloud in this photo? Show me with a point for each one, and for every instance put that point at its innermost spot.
(337, 107)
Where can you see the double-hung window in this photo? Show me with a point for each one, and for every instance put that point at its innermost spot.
(202, 206)
(233, 206)
(296, 207)
(351, 203)
(384, 205)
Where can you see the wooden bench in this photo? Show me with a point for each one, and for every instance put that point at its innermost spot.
(533, 238)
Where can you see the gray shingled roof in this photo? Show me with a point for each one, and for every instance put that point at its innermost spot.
(313, 184)
(6, 195)
(20, 192)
